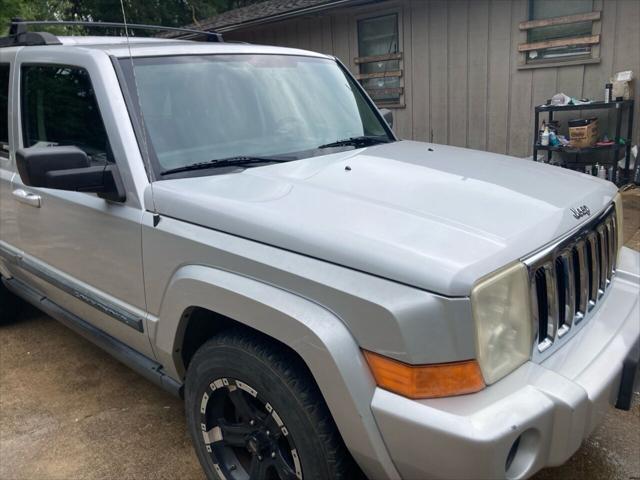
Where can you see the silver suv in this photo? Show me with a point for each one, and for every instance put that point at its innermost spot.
(239, 224)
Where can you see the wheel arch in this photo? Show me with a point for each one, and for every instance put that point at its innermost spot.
(316, 335)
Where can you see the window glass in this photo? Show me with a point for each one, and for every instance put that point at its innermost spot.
(4, 109)
(202, 108)
(543, 9)
(59, 108)
(379, 36)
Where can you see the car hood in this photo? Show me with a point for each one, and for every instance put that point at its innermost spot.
(431, 216)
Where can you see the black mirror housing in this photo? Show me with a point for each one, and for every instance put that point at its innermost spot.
(68, 168)
(34, 163)
(388, 116)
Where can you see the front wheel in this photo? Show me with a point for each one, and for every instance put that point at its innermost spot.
(254, 413)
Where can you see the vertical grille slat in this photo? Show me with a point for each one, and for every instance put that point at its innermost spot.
(604, 255)
(569, 298)
(614, 243)
(594, 265)
(552, 300)
(569, 281)
(583, 277)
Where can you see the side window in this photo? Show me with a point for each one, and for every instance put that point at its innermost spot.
(59, 108)
(4, 110)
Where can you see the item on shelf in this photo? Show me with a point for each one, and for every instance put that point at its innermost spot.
(544, 138)
(622, 85)
(564, 141)
(587, 169)
(583, 132)
(610, 174)
(602, 172)
(608, 92)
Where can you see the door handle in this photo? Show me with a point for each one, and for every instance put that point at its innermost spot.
(27, 198)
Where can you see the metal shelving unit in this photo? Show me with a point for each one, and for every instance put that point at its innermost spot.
(618, 106)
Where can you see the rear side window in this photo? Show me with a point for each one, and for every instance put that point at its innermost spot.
(59, 107)
(4, 110)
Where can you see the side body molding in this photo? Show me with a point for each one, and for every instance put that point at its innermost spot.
(316, 334)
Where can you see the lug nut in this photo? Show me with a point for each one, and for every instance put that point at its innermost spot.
(260, 457)
(273, 454)
(252, 422)
(268, 432)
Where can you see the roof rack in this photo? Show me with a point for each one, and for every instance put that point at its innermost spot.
(19, 34)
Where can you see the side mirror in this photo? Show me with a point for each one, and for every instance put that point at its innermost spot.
(388, 116)
(68, 168)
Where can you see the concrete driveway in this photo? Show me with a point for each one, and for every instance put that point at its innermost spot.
(69, 411)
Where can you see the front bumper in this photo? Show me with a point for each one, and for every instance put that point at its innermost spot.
(549, 408)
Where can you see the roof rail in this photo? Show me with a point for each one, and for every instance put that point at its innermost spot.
(19, 35)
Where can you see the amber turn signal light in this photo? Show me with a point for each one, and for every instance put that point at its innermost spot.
(425, 381)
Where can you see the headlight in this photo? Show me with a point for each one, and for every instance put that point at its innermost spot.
(619, 228)
(501, 307)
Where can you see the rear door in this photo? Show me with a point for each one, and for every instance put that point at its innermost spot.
(84, 252)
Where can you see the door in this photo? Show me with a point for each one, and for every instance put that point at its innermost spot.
(82, 251)
(8, 225)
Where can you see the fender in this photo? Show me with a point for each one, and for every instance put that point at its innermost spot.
(316, 334)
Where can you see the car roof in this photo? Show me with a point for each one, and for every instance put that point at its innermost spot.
(144, 46)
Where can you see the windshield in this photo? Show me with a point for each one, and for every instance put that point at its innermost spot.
(197, 109)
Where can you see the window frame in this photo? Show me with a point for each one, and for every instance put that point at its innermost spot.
(369, 14)
(5, 152)
(524, 62)
(24, 111)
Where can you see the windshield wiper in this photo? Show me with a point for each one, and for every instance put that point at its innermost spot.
(358, 142)
(225, 162)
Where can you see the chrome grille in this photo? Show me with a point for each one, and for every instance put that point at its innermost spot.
(569, 278)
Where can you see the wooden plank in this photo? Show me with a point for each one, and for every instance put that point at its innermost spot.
(376, 93)
(378, 58)
(520, 127)
(627, 52)
(404, 115)
(315, 34)
(547, 22)
(457, 30)
(366, 76)
(478, 73)
(327, 41)
(438, 71)
(420, 70)
(498, 88)
(340, 29)
(570, 81)
(304, 40)
(560, 42)
(596, 76)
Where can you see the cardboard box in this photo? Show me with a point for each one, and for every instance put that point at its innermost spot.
(586, 136)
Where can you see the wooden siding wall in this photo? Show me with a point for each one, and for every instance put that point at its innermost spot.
(460, 68)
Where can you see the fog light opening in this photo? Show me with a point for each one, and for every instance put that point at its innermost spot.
(522, 455)
(512, 454)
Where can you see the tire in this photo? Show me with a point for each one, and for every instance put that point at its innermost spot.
(238, 378)
(10, 305)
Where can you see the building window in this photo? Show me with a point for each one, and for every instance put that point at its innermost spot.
(380, 59)
(559, 30)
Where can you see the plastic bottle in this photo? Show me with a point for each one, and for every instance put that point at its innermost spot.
(602, 172)
(608, 90)
(544, 140)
